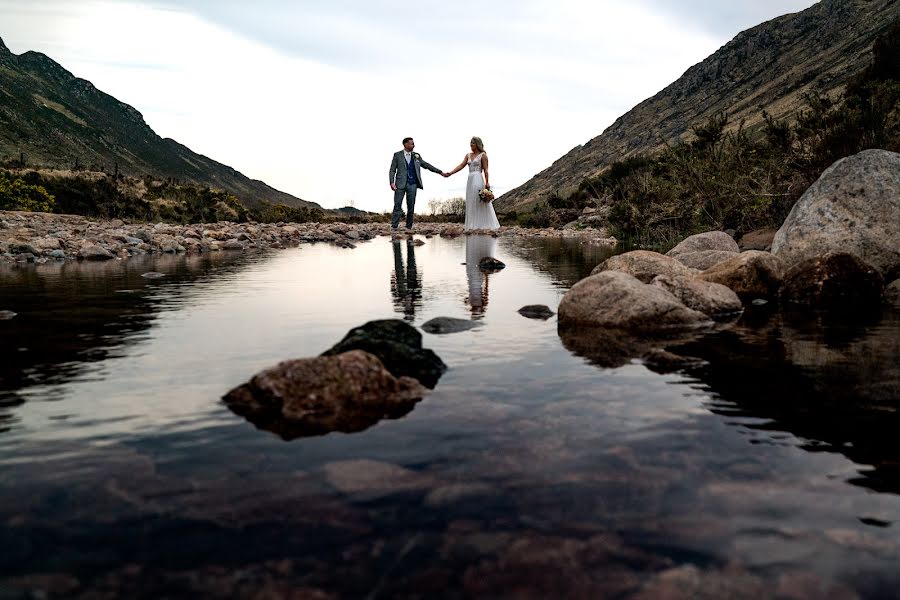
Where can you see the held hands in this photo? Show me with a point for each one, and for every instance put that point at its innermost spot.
(445, 174)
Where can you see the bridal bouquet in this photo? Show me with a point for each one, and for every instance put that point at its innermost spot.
(486, 194)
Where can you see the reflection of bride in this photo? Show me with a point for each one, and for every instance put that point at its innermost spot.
(477, 248)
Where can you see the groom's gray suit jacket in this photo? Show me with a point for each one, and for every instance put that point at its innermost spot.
(398, 171)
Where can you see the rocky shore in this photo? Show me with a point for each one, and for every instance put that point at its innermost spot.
(41, 237)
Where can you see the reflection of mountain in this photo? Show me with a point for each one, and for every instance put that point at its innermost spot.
(835, 383)
(406, 283)
(567, 260)
(69, 314)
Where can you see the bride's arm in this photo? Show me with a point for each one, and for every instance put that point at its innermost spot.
(460, 166)
(484, 168)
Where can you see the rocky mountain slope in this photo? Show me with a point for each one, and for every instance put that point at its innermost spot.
(769, 67)
(58, 120)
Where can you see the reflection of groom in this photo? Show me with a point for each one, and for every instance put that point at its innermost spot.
(406, 181)
(406, 285)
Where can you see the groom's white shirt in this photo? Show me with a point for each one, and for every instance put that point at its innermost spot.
(408, 156)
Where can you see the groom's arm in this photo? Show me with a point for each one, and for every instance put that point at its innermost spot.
(431, 168)
(392, 171)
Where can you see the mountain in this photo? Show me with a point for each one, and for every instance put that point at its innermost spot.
(769, 67)
(57, 120)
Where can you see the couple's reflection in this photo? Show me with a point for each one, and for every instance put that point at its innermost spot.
(478, 247)
(406, 283)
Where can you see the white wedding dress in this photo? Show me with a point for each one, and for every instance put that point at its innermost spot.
(479, 214)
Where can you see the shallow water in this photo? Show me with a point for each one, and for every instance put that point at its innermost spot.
(536, 468)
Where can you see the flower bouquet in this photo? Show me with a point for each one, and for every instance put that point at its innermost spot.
(486, 194)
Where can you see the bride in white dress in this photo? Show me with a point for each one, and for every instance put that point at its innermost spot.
(479, 214)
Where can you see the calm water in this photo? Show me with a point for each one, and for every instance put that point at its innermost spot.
(539, 467)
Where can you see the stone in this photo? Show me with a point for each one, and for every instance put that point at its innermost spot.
(704, 259)
(892, 293)
(143, 235)
(399, 347)
(750, 274)
(713, 299)
(489, 263)
(760, 239)
(613, 299)
(6, 315)
(643, 265)
(854, 207)
(366, 479)
(232, 244)
(536, 311)
(346, 392)
(152, 275)
(443, 325)
(95, 252)
(58, 254)
(834, 278)
(711, 240)
(22, 248)
(452, 231)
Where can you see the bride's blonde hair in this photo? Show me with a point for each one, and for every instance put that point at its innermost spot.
(478, 143)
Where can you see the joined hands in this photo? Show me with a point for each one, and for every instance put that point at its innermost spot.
(445, 174)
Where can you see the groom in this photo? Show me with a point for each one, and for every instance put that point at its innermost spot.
(405, 176)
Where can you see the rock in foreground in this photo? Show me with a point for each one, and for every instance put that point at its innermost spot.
(312, 396)
(750, 274)
(833, 279)
(643, 265)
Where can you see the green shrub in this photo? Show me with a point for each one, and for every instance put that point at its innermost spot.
(17, 194)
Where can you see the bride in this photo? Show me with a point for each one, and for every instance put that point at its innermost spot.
(479, 214)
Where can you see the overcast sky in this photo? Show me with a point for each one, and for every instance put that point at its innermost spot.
(314, 97)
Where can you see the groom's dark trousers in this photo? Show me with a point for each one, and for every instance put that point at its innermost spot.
(408, 189)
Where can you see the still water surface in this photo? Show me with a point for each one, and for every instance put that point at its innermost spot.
(769, 468)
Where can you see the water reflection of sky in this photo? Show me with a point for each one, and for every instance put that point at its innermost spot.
(545, 443)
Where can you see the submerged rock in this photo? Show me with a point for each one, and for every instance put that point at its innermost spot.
(311, 396)
(834, 278)
(399, 347)
(489, 263)
(6, 315)
(536, 311)
(153, 275)
(854, 207)
(442, 325)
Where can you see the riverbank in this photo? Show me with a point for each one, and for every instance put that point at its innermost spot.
(40, 237)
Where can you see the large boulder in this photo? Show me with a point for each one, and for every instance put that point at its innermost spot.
(711, 240)
(643, 265)
(613, 299)
(854, 207)
(713, 299)
(751, 274)
(834, 278)
(399, 347)
(312, 396)
(760, 239)
(704, 259)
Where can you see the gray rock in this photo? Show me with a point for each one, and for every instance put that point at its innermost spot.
(22, 248)
(614, 299)
(854, 207)
(133, 241)
(834, 278)
(710, 298)
(751, 274)
(232, 245)
(536, 311)
(711, 240)
(58, 254)
(95, 252)
(442, 325)
(704, 259)
(643, 265)
(365, 479)
(6, 315)
(143, 235)
(489, 263)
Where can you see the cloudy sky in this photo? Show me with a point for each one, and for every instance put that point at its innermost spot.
(313, 97)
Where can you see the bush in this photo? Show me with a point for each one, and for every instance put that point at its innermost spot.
(16, 194)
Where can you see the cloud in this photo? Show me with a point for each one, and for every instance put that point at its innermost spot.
(725, 18)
